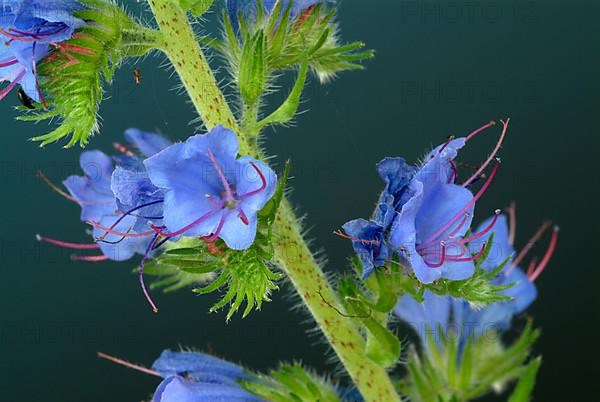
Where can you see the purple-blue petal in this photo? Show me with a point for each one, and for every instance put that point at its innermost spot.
(93, 190)
(440, 204)
(372, 255)
(437, 166)
(147, 143)
(176, 363)
(425, 317)
(118, 247)
(177, 389)
(500, 249)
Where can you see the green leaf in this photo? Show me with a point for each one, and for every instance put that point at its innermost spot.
(383, 347)
(196, 7)
(524, 388)
(288, 109)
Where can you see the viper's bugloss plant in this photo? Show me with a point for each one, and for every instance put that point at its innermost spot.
(211, 214)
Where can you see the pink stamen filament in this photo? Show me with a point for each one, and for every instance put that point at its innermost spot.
(464, 210)
(89, 258)
(224, 181)
(551, 247)
(454, 174)
(460, 226)
(512, 216)
(123, 149)
(448, 140)
(66, 195)
(471, 258)
(64, 244)
(17, 37)
(531, 267)
(480, 129)
(212, 200)
(531, 243)
(126, 214)
(345, 236)
(115, 232)
(212, 238)
(492, 155)
(263, 183)
(8, 63)
(485, 231)
(141, 275)
(442, 258)
(129, 365)
(188, 227)
(5, 91)
(243, 217)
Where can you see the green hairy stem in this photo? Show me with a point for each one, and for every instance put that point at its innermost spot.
(292, 253)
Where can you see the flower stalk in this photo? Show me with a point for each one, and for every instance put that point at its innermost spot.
(291, 251)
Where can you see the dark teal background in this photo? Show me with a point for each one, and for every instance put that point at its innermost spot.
(537, 63)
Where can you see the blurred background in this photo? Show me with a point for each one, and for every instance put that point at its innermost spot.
(442, 68)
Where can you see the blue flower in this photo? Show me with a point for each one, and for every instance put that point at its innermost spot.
(195, 377)
(434, 216)
(423, 216)
(248, 8)
(117, 198)
(29, 28)
(208, 192)
(447, 313)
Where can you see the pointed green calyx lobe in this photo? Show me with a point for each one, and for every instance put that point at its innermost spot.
(292, 382)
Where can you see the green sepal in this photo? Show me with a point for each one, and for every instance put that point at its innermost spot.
(524, 388)
(172, 274)
(292, 382)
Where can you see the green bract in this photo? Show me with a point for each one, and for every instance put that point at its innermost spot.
(447, 374)
(73, 75)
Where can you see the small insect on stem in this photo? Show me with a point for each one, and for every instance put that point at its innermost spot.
(137, 75)
(25, 99)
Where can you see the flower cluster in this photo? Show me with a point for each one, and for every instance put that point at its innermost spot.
(447, 314)
(424, 216)
(29, 29)
(156, 191)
